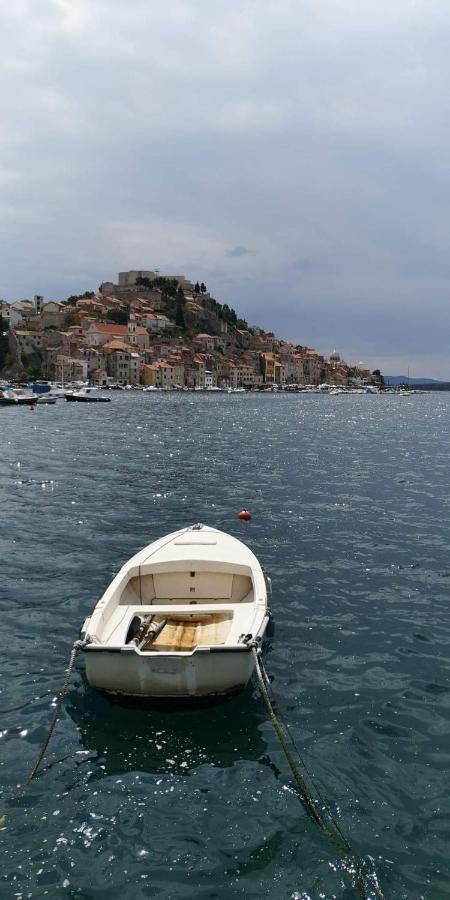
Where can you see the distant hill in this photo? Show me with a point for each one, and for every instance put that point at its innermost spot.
(403, 379)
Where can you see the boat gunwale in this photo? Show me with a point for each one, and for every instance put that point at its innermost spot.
(126, 648)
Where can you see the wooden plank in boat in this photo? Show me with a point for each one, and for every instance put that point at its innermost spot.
(186, 632)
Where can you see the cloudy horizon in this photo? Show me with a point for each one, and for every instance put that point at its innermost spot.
(293, 157)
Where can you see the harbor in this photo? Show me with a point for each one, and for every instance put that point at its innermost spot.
(24, 393)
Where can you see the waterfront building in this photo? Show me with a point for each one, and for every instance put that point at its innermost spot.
(69, 368)
(312, 366)
(270, 368)
(209, 380)
(95, 359)
(243, 375)
(99, 377)
(168, 375)
(123, 362)
(148, 375)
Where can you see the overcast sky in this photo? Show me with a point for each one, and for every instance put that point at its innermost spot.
(293, 155)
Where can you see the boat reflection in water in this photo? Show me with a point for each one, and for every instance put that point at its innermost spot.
(177, 741)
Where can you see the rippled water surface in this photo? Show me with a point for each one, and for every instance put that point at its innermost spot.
(350, 499)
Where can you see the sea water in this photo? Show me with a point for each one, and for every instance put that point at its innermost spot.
(350, 498)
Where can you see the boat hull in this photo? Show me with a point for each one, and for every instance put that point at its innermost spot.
(19, 401)
(201, 674)
(71, 398)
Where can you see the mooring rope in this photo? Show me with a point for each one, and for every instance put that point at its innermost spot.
(350, 862)
(78, 645)
(315, 786)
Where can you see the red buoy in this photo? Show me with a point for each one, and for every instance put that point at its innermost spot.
(244, 515)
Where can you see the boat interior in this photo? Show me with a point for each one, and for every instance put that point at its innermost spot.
(177, 611)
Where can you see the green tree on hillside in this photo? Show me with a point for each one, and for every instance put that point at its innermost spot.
(145, 283)
(119, 316)
(228, 314)
(179, 309)
(33, 373)
(179, 316)
(168, 286)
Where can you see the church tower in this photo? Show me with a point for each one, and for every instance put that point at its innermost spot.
(132, 329)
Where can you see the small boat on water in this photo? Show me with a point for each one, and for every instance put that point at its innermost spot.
(9, 397)
(180, 619)
(45, 400)
(85, 396)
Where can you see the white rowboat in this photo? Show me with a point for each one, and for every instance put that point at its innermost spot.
(180, 619)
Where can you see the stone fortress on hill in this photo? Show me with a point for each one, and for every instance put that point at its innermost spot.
(161, 331)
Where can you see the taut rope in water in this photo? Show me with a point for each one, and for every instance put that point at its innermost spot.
(78, 645)
(350, 862)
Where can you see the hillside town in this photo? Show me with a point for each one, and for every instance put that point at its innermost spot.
(157, 331)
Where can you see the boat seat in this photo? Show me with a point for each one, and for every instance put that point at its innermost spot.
(193, 584)
(187, 586)
(185, 632)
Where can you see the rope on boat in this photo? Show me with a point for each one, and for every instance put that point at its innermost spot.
(78, 645)
(350, 863)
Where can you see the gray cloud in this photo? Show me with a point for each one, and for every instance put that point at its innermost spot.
(140, 135)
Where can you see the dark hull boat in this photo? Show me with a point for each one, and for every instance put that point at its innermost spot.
(11, 399)
(85, 397)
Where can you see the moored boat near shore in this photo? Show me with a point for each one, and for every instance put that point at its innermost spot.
(180, 619)
(85, 396)
(9, 397)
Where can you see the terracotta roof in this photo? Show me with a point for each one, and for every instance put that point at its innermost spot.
(118, 345)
